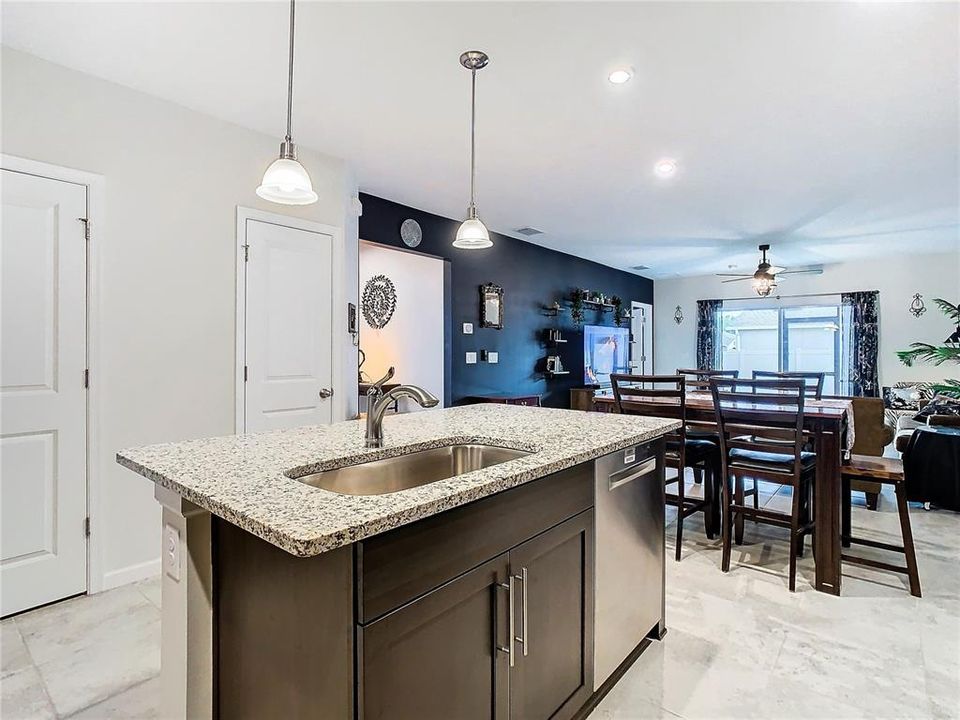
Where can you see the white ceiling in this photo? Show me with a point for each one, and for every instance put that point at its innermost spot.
(829, 130)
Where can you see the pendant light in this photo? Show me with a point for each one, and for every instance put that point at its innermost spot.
(472, 234)
(286, 181)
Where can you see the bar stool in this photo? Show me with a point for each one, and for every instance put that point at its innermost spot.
(888, 471)
(699, 380)
(761, 436)
(665, 396)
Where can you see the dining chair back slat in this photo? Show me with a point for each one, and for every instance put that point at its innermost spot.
(813, 381)
(700, 379)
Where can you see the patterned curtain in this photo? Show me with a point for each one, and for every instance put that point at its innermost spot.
(861, 310)
(708, 334)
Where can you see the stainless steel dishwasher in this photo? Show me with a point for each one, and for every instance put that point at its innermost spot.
(629, 553)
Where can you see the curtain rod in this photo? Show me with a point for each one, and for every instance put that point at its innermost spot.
(780, 297)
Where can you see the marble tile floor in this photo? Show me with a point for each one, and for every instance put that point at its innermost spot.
(739, 645)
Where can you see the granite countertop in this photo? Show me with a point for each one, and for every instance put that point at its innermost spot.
(242, 478)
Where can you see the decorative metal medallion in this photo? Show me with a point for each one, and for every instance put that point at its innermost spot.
(410, 232)
(678, 315)
(917, 308)
(379, 301)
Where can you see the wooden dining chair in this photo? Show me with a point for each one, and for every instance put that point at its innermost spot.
(700, 380)
(665, 396)
(812, 381)
(756, 417)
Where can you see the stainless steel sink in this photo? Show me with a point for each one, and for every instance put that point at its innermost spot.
(411, 470)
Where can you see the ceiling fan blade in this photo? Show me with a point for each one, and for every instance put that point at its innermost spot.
(749, 277)
(811, 271)
(773, 269)
(736, 275)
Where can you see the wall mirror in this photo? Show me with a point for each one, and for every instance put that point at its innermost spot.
(491, 306)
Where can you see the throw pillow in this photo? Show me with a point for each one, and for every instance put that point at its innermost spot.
(940, 405)
(902, 398)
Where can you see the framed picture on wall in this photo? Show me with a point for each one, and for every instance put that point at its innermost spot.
(491, 306)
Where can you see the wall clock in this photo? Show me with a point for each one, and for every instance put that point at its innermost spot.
(410, 232)
(378, 302)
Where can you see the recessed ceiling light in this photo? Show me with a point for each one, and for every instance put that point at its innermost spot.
(620, 76)
(665, 167)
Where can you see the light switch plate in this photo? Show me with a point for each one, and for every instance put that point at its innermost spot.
(493, 357)
(468, 328)
(171, 551)
(471, 358)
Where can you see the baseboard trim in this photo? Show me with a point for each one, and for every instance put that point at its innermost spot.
(130, 574)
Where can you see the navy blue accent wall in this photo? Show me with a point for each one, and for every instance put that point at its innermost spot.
(531, 277)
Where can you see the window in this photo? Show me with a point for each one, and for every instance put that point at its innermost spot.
(803, 338)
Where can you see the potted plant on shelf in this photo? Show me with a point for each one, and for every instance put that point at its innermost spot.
(576, 305)
(617, 310)
(948, 352)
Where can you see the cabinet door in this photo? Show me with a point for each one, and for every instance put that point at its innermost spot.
(436, 657)
(553, 600)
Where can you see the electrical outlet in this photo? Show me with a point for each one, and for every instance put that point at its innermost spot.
(471, 358)
(493, 357)
(171, 551)
(468, 328)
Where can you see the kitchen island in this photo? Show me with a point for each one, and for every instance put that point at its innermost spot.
(471, 595)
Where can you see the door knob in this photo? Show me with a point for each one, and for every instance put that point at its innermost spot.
(326, 392)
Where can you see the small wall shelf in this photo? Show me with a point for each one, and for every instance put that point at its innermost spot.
(601, 306)
(553, 373)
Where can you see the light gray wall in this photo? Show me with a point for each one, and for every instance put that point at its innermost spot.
(897, 279)
(166, 267)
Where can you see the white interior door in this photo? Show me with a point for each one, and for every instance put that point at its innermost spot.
(288, 334)
(43, 405)
(641, 331)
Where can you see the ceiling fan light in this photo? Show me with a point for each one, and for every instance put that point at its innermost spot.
(764, 285)
(472, 235)
(286, 181)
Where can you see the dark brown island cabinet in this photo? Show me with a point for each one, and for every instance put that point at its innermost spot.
(482, 611)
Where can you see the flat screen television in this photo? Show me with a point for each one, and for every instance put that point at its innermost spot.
(605, 350)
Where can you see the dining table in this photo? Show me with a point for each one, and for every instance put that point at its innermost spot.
(829, 425)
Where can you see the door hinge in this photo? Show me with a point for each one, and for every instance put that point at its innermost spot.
(86, 228)
(244, 373)
(86, 378)
(86, 526)
(246, 253)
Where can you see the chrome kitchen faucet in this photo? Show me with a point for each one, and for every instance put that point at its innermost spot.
(378, 401)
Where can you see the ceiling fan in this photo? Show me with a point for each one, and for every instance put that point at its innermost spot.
(765, 278)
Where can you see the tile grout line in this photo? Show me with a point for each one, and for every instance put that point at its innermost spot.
(109, 697)
(36, 668)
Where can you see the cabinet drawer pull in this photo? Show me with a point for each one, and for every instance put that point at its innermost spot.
(511, 620)
(524, 638)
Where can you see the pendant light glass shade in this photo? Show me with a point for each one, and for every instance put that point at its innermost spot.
(472, 235)
(286, 181)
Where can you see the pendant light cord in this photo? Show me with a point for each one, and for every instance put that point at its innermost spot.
(473, 142)
(290, 75)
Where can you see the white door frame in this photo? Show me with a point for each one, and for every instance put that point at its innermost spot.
(96, 214)
(338, 301)
(634, 307)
